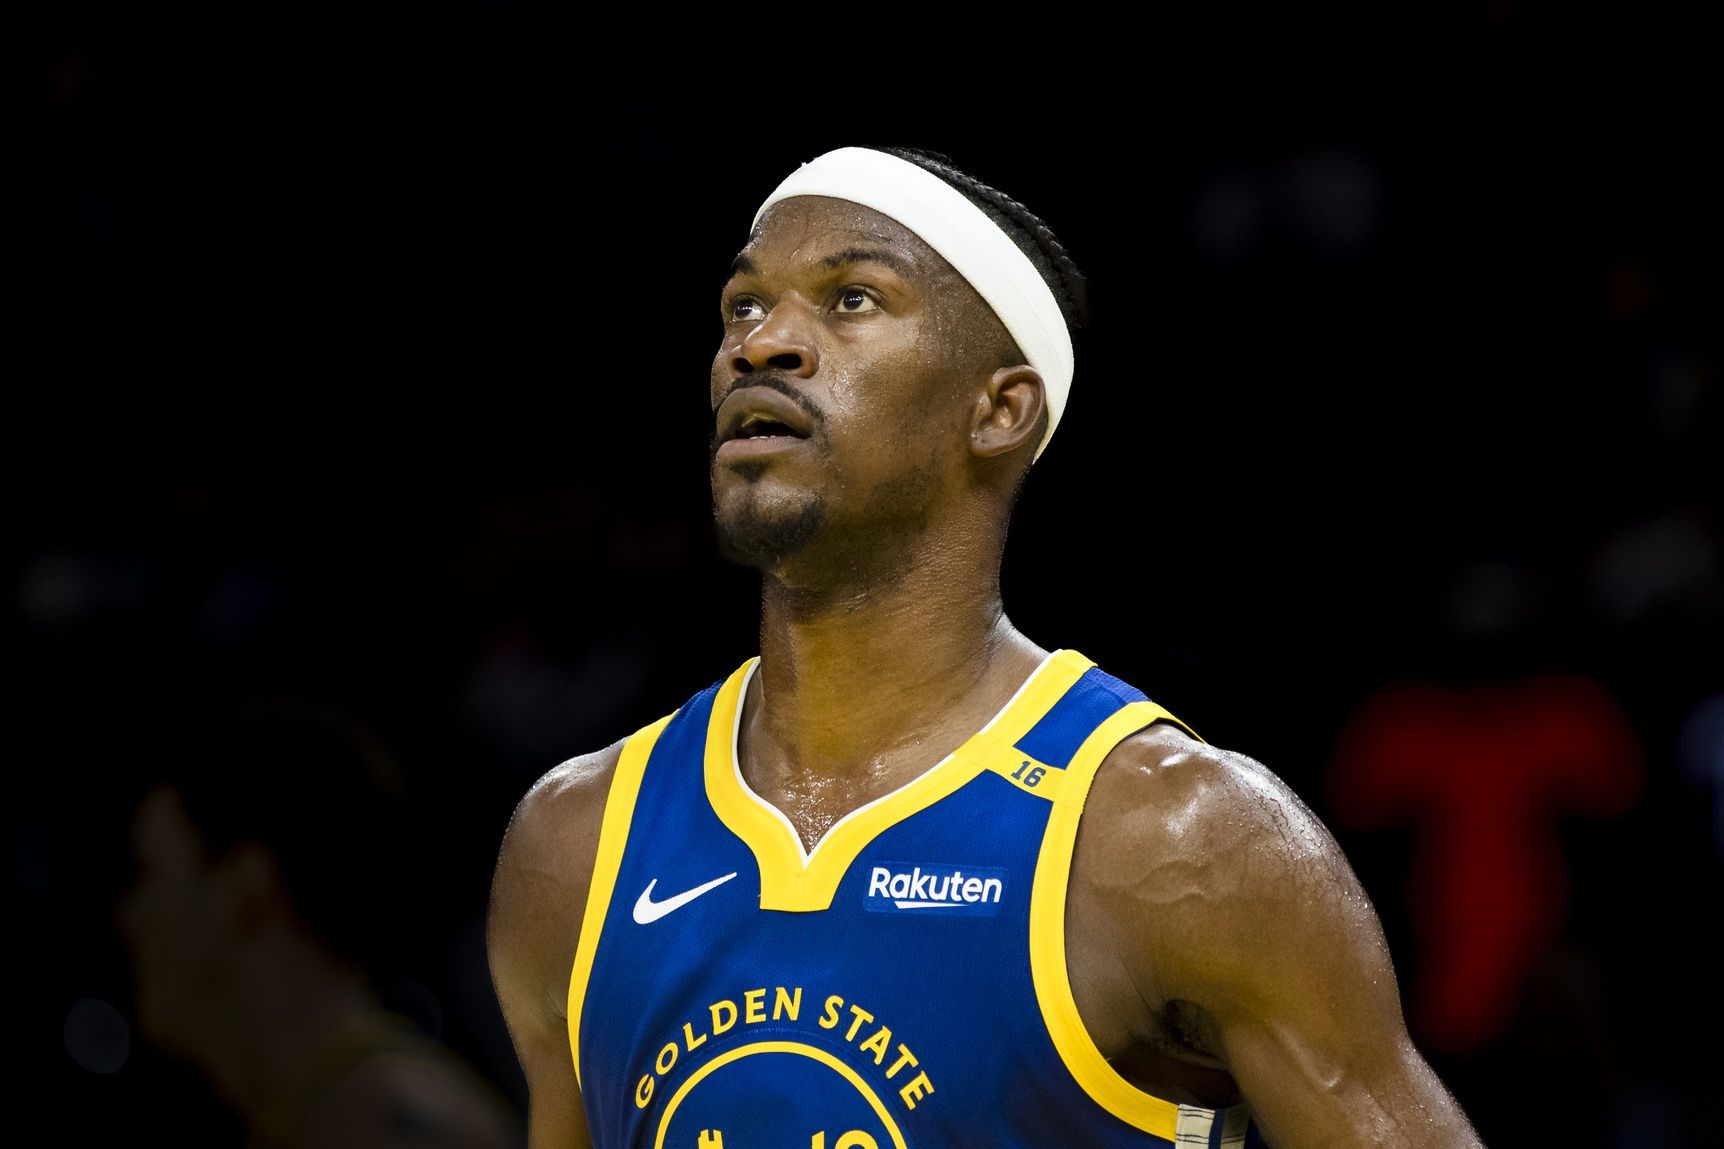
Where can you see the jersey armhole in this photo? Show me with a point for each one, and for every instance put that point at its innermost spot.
(1181, 1124)
(613, 838)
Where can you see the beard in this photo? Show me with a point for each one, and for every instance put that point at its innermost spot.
(844, 544)
(763, 525)
(756, 537)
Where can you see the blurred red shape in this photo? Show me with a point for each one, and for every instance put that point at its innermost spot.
(1484, 774)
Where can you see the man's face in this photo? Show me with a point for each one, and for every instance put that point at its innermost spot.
(842, 387)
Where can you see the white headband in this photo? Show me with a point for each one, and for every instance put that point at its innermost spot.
(966, 238)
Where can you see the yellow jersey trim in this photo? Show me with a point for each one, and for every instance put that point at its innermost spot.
(799, 881)
(1048, 933)
(613, 837)
(796, 1047)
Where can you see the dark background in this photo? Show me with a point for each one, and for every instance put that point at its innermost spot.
(368, 363)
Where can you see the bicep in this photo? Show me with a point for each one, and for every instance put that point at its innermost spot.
(1237, 901)
(555, 1117)
(1292, 970)
(537, 1027)
(532, 929)
(1310, 1026)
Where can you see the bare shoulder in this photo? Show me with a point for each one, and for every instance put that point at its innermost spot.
(1247, 932)
(560, 812)
(1161, 789)
(539, 889)
(1173, 824)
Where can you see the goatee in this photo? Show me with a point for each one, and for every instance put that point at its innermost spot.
(763, 542)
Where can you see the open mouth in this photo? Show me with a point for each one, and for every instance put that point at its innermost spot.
(761, 418)
(757, 426)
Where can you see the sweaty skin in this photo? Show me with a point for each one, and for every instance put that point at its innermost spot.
(1220, 947)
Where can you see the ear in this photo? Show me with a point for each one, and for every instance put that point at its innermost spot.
(1008, 413)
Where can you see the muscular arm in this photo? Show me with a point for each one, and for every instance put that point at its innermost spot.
(1252, 942)
(538, 895)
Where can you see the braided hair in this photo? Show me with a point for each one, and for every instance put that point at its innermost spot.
(1026, 229)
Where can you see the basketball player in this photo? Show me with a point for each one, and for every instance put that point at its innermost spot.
(907, 877)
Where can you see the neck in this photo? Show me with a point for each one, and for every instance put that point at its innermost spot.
(872, 684)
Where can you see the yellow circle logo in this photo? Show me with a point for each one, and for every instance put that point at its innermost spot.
(784, 1085)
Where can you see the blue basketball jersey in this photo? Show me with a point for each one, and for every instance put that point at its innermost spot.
(903, 984)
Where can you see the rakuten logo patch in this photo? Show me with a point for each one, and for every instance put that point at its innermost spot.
(935, 889)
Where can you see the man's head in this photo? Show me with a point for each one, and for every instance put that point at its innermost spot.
(892, 362)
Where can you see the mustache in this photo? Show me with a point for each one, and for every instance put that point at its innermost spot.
(773, 381)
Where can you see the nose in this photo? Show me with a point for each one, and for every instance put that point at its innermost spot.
(783, 341)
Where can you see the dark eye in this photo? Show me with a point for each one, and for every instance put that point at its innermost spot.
(853, 301)
(745, 309)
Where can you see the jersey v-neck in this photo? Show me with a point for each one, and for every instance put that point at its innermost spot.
(796, 879)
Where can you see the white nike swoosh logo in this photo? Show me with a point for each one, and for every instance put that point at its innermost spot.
(647, 910)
